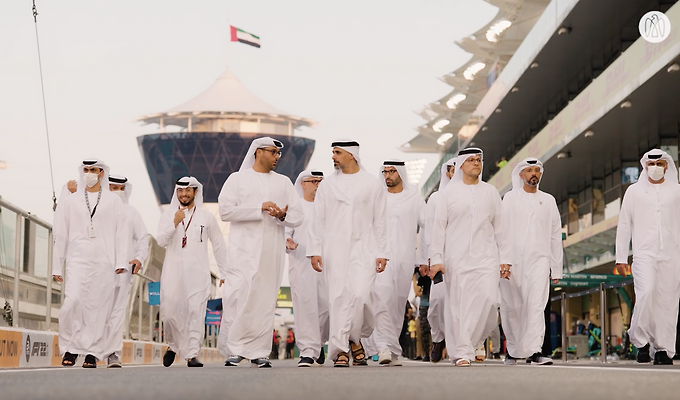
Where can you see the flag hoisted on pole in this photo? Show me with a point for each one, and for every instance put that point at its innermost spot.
(238, 35)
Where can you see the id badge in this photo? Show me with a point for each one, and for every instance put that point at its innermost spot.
(92, 232)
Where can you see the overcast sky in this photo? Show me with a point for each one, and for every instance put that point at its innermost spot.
(358, 67)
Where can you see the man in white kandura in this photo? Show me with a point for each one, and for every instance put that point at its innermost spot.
(405, 213)
(91, 247)
(138, 249)
(259, 204)
(349, 243)
(534, 233)
(184, 231)
(308, 288)
(436, 313)
(651, 217)
(468, 246)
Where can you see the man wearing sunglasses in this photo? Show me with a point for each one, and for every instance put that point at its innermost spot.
(405, 213)
(259, 204)
(308, 288)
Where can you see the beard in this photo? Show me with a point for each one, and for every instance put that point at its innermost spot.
(185, 204)
(533, 181)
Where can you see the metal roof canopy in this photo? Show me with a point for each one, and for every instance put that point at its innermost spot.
(562, 62)
(226, 98)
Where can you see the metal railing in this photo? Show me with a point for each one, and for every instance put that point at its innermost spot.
(602, 289)
(27, 255)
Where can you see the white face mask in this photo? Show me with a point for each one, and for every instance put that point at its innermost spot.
(91, 179)
(120, 194)
(656, 172)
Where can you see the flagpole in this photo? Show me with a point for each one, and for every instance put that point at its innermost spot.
(228, 35)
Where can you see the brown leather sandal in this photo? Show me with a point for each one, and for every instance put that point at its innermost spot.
(342, 360)
(358, 355)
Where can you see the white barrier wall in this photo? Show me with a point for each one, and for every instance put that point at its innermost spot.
(21, 348)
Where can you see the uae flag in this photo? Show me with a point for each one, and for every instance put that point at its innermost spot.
(238, 35)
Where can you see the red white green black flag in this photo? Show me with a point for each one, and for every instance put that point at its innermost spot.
(238, 35)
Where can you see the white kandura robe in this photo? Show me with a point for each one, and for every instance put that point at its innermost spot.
(255, 259)
(186, 279)
(534, 234)
(349, 233)
(405, 213)
(650, 215)
(138, 248)
(436, 312)
(90, 265)
(467, 238)
(308, 289)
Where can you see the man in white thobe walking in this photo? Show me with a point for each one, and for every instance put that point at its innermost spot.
(138, 249)
(259, 204)
(349, 243)
(405, 213)
(91, 247)
(651, 217)
(436, 312)
(534, 233)
(468, 246)
(308, 288)
(184, 231)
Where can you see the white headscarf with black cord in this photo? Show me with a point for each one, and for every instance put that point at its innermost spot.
(443, 178)
(463, 155)
(187, 181)
(400, 166)
(671, 176)
(517, 182)
(121, 180)
(308, 173)
(258, 143)
(351, 147)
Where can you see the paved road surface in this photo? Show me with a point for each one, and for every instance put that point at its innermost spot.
(413, 381)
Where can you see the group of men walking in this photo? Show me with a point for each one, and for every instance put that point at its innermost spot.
(352, 242)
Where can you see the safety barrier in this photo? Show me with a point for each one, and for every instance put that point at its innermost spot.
(22, 348)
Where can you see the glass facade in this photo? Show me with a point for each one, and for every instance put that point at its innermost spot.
(211, 157)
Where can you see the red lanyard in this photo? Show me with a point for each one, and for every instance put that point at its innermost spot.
(184, 239)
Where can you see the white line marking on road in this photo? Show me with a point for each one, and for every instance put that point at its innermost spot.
(77, 368)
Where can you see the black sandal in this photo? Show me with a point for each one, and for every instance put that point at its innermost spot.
(90, 361)
(358, 355)
(342, 360)
(69, 359)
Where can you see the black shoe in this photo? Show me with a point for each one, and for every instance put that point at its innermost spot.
(496, 356)
(322, 357)
(538, 359)
(643, 356)
(437, 351)
(168, 358)
(661, 358)
(426, 358)
(194, 363)
(306, 362)
(260, 363)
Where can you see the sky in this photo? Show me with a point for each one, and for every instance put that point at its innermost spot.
(359, 68)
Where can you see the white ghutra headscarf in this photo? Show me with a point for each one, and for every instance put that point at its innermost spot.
(400, 166)
(121, 180)
(187, 181)
(517, 183)
(258, 143)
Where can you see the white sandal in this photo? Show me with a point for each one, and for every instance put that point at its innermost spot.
(461, 362)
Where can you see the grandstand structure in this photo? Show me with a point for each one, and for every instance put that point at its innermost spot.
(574, 84)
